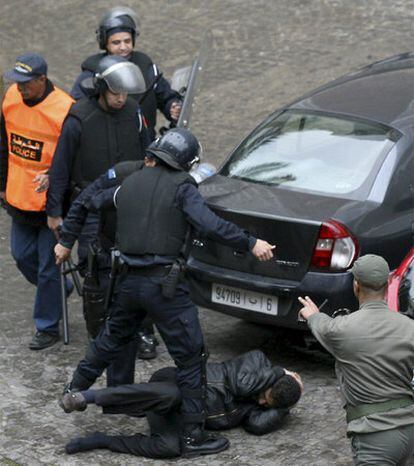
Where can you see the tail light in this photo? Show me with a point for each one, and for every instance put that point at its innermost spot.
(336, 248)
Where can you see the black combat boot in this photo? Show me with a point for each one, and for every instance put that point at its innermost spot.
(195, 442)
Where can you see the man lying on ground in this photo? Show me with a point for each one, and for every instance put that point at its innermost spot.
(246, 391)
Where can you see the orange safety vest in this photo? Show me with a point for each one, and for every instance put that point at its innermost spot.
(33, 133)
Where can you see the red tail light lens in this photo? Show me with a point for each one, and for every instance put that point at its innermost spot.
(336, 248)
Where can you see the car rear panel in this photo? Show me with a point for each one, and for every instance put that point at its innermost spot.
(294, 245)
(290, 220)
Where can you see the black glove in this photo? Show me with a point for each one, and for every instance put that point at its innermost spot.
(96, 440)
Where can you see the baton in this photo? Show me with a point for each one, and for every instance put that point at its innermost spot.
(65, 316)
(73, 270)
(112, 278)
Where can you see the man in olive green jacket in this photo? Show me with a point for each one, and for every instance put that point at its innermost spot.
(374, 352)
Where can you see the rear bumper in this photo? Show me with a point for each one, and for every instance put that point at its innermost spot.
(337, 288)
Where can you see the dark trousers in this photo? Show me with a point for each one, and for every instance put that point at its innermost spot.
(32, 248)
(122, 369)
(176, 320)
(159, 400)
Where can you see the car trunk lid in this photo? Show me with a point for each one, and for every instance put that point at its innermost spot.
(289, 219)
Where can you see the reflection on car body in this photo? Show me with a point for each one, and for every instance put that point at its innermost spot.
(326, 178)
(400, 295)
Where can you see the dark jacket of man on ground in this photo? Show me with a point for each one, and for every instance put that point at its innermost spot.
(234, 397)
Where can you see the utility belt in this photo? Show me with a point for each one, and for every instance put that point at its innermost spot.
(151, 271)
(366, 409)
(172, 275)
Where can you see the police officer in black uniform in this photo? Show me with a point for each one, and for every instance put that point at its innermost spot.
(116, 35)
(100, 130)
(156, 206)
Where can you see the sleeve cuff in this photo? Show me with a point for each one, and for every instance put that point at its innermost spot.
(252, 242)
(66, 243)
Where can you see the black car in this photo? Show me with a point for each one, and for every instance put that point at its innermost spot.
(326, 179)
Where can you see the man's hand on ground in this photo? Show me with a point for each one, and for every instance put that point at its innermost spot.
(309, 307)
(62, 254)
(262, 250)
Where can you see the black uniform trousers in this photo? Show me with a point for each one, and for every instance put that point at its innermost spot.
(160, 401)
(122, 369)
(177, 322)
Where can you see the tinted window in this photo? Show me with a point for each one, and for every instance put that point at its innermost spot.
(312, 151)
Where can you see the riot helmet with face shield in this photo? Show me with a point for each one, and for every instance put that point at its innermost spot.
(118, 75)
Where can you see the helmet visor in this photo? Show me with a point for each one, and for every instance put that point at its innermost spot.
(124, 78)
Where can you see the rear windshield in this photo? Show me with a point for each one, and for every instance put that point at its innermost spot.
(313, 152)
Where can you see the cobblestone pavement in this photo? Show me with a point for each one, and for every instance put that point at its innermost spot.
(264, 54)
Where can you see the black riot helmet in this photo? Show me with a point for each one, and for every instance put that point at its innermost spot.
(178, 148)
(116, 74)
(120, 18)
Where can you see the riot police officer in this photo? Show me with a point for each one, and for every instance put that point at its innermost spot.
(116, 35)
(100, 130)
(151, 236)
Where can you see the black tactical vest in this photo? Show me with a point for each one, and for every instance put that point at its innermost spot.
(106, 139)
(107, 218)
(148, 221)
(144, 62)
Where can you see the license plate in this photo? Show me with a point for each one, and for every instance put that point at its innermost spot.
(244, 299)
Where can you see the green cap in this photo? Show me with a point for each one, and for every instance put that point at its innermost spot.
(371, 270)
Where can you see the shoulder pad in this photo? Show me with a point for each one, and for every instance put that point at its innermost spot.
(141, 59)
(91, 62)
(82, 108)
(124, 169)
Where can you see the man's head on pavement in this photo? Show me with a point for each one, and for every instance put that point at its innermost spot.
(284, 393)
(117, 31)
(178, 148)
(370, 276)
(29, 73)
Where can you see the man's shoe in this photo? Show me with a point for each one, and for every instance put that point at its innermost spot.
(72, 401)
(200, 442)
(42, 340)
(147, 344)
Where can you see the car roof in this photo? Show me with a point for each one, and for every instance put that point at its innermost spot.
(382, 91)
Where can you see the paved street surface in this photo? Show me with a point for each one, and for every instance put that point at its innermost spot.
(264, 54)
